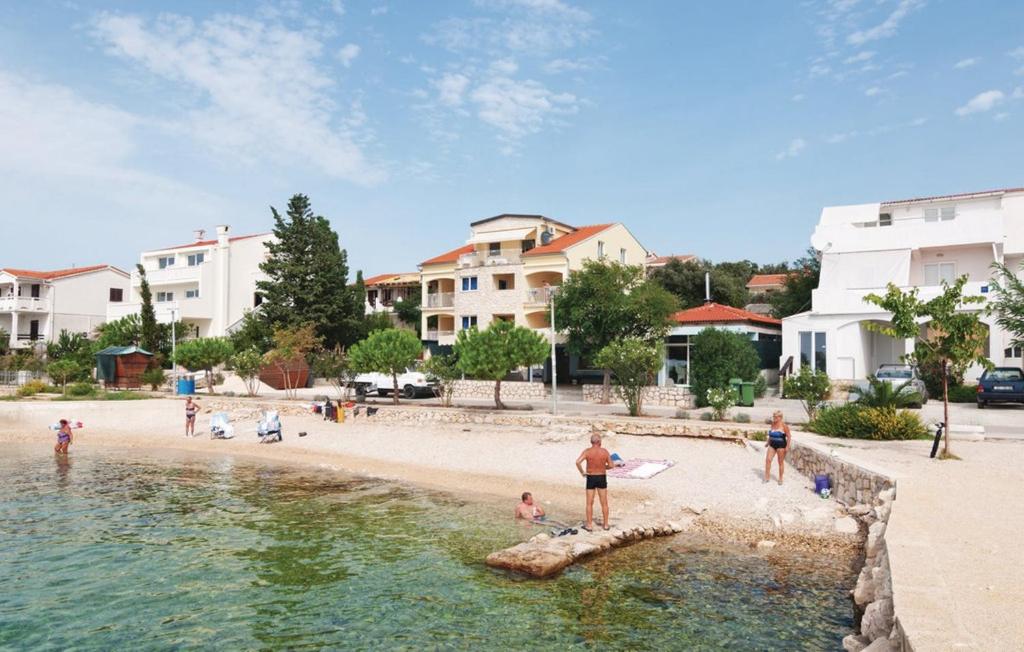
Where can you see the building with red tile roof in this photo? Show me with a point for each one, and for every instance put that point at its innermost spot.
(713, 314)
(383, 291)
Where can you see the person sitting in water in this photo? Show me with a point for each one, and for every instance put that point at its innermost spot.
(528, 509)
(64, 437)
(779, 439)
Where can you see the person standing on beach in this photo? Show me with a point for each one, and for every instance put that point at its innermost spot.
(778, 441)
(191, 408)
(64, 438)
(598, 462)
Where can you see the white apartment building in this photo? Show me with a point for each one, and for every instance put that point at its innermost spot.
(35, 306)
(911, 243)
(208, 284)
(506, 269)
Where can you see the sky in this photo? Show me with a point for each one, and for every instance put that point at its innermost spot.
(712, 128)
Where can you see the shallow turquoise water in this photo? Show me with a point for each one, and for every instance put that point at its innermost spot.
(140, 551)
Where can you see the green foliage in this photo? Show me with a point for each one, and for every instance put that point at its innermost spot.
(203, 354)
(359, 289)
(81, 389)
(811, 388)
(795, 297)
(31, 388)
(720, 399)
(292, 345)
(1008, 302)
(760, 386)
(856, 421)
(409, 311)
(247, 364)
(5, 342)
(634, 363)
(127, 331)
(149, 337)
(154, 377)
(963, 394)
(493, 353)
(76, 348)
(253, 333)
(879, 393)
(389, 351)
(61, 371)
(931, 373)
(375, 321)
(716, 356)
(685, 280)
(445, 370)
(307, 277)
(335, 366)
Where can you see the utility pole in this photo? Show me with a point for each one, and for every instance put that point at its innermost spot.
(174, 349)
(554, 361)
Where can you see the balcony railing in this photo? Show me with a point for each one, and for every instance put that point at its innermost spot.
(440, 300)
(437, 334)
(482, 258)
(28, 304)
(176, 274)
(540, 295)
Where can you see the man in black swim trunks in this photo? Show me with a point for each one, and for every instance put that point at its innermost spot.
(598, 462)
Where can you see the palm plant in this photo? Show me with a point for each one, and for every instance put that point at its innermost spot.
(881, 394)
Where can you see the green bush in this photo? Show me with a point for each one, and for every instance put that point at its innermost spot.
(154, 377)
(31, 388)
(760, 386)
(81, 389)
(720, 400)
(742, 417)
(960, 394)
(852, 421)
(812, 388)
(718, 356)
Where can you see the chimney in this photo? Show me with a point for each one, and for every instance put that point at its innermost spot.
(707, 287)
(222, 234)
(200, 234)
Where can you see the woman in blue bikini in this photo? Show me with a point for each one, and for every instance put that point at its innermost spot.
(778, 441)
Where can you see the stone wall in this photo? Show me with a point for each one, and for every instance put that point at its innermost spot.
(671, 396)
(511, 390)
(852, 483)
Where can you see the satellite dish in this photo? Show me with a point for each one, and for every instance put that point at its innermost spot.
(545, 237)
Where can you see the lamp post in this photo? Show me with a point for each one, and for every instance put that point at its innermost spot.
(174, 348)
(554, 361)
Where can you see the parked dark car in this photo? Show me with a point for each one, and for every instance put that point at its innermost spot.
(1001, 385)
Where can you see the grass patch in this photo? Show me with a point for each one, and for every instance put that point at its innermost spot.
(943, 455)
(121, 395)
(757, 435)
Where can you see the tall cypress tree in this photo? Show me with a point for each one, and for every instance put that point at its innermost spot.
(149, 337)
(359, 290)
(307, 276)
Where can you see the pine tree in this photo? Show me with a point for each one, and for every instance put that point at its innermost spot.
(149, 338)
(359, 290)
(308, 277)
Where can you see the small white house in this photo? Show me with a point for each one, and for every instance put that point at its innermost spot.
(35, 306)
(208, 284)
(910, 243)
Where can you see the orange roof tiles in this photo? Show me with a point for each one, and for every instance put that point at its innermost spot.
(664, 260)
(715, 313)
(758, 280)
(450, 256)
(403, 277)
(562, 243)
(57, 273)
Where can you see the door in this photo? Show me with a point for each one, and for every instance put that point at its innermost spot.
(33, 329)
(35, 290)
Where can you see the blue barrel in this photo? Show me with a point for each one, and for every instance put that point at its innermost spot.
(821, 482)
(186, 386)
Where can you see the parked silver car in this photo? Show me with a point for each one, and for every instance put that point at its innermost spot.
(898, 374)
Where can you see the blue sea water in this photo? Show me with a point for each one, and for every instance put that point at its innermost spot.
(122, 550)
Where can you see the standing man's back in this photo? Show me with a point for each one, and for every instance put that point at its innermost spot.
(598, 462)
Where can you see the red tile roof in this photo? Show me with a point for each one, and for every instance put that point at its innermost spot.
(206, 243)
(402, 277)
(758, 280)
(714, 313)
(562, 243)
(58, 273)
(450, 256)
(963, 195)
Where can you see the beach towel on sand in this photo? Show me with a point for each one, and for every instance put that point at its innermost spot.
(640, 469)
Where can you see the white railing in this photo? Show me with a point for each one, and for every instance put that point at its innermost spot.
(440, 300)
(438, 334)
(851, 300)
(29, 304)
(540, 295)
(176, 274)
(481, 258)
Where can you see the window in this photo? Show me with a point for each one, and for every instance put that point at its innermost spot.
(1013, 352)
(622, 256)
(165, 261)
(116, 295)
(600, 249)
(494, 249)
(371, 297)
(468, 321)
(192, 294)
(162, 297)
(468, 283)
(196, 259)
(939, 213)
(388, 297)
(34, 293)
(528, 245)
(935, 273)
(885, 219)
(813, 350)
(819, 353)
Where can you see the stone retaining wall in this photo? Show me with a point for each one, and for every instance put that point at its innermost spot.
(852, 484)
(671, 396)
(511, 390)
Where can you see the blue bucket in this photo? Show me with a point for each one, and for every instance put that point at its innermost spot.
(186, 386)
(821, 482)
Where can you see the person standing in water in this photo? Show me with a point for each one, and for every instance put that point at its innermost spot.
(598, 462)
(64, 437)
(779, 438)
(191, 408)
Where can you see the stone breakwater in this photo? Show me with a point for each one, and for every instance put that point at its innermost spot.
(544, 555)
(852, 483)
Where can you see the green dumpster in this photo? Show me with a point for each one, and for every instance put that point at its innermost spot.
(746, 394)
(734, 385)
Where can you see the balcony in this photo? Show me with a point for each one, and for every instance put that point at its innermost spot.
(851, 301)
(491, 258)
(540, 295)
(171, 275)
(24, 304)
(436, 335)
(197, 308)
(439, 300)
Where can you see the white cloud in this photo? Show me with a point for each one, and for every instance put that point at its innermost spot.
(888, 27)
(450, 88)
(504, 67)
(859, 57)
(533, 27)
(348, 53)
(874, 90)
(966, 63)
(557, 66)
(379, 10)
(837, 138)
(980, 103)
(519, 107)
(555, 8)
(918, 122)
(843, 136)
(795, 147)
(338, 7)
(1017, 53)
(819, 69)
(799, 97)
(259, 92)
